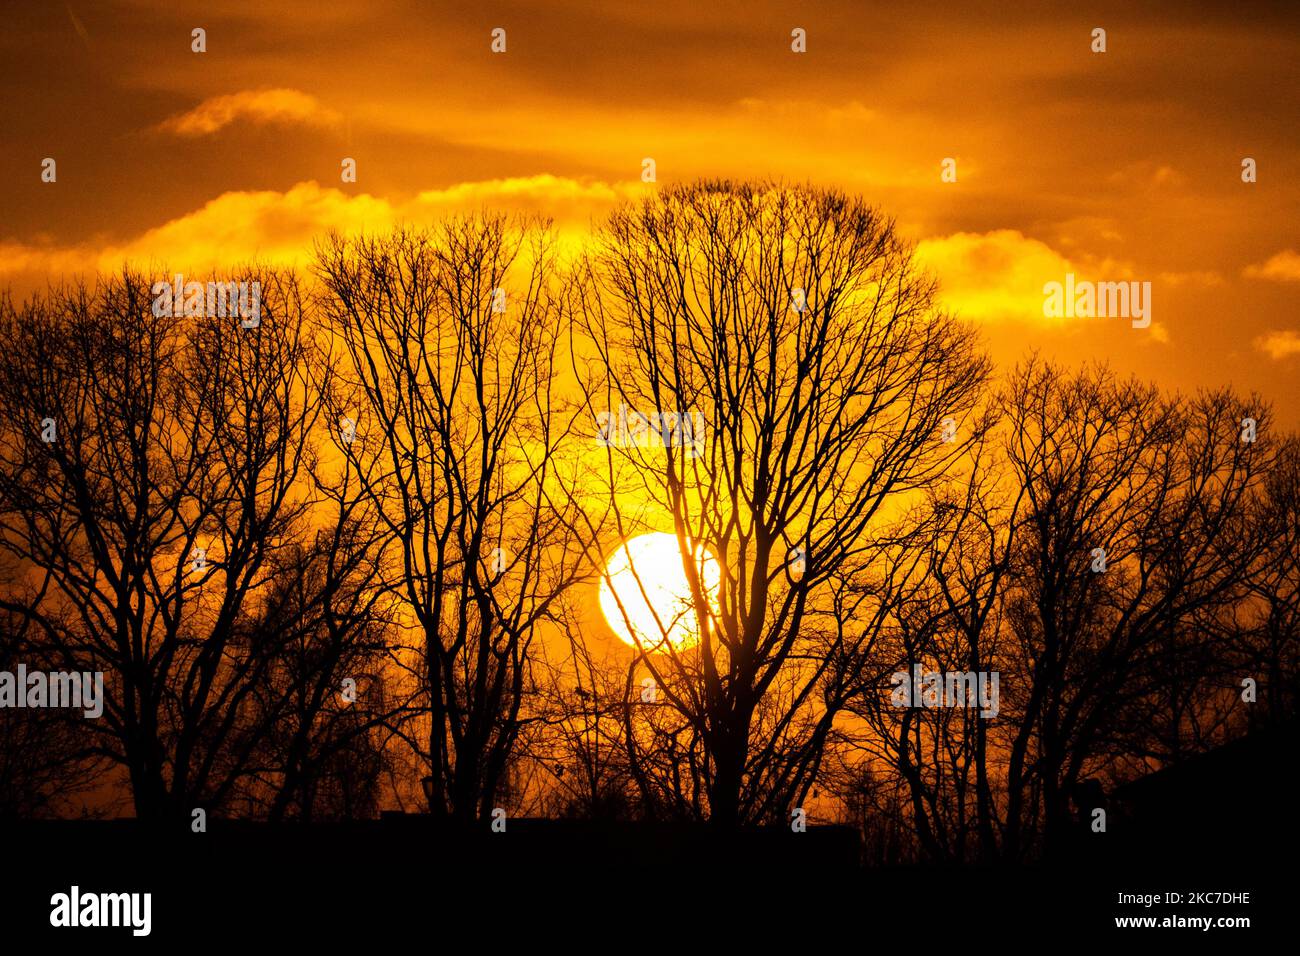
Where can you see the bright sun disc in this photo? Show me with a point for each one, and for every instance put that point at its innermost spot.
(645, 576)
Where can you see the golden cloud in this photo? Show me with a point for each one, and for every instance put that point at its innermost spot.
(989, 277)
(280, 228)
(1282, 267)
(280, 106)
(1279, 345)
(1201, 279)
(995, 276)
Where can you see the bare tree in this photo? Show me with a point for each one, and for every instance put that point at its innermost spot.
(46, 760)
(574, 740)
(944, 760)
(795, 324)
(1100, 555)
(1271, 619)
(325, 696)
(1135, 519)
(150, 477)
(446, 343)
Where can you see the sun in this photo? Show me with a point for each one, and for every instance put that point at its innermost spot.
(645, 596)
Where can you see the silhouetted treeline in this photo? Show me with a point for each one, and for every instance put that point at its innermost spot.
(342, 558)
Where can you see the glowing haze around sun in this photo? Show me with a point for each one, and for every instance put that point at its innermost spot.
(645, 596)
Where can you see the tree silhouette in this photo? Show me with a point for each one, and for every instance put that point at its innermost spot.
(1080, 555)
(345, 553)
(795, 323)
(150, 484)
(444, 362)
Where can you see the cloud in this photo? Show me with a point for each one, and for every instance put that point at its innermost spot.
(995, 276)
(280, 228)
(1282, 267)
(1146, 175)
(1279, 345)
(281, 106)
(1202, 279)
(998, 277)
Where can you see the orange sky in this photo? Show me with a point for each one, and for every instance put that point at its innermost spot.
(1117, 166)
